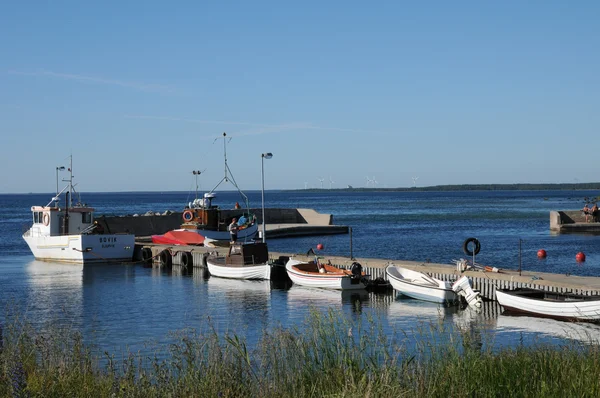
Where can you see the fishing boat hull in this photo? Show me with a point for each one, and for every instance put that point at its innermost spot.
(420, 286)
(550, 305)
(331, 280)
(217, 267)
(80, 248)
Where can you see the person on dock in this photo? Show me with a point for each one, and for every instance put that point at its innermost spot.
(594, 212)
(586, 212)
(233, 230)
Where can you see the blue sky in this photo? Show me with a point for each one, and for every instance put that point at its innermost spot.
(449, 92)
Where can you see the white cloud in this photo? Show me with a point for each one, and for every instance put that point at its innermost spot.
(97, 80)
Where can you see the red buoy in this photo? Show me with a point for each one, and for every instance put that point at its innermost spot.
(580, 257)
(320, 246)
(541, 253)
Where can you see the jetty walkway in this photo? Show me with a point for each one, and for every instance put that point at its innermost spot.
(485, 282)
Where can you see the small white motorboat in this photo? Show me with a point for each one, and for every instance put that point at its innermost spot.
(563, 306)
(317, 274)
(68, 232)
(244, 261)
(424, 287)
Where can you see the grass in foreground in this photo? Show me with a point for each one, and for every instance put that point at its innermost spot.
(328, 356)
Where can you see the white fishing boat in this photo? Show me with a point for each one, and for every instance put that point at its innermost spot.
(68, 233)
(424, 287)
(244, 261)
(317, 274)
(563, 306)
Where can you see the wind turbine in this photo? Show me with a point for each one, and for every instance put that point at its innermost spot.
(305, 185)
(368, 181)
(331, 182)
(321, 179)
(374, 181)
(415, 181)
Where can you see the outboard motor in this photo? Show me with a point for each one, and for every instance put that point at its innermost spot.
(356, 270)
(463, 288)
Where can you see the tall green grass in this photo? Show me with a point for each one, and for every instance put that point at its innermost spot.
(329, 355)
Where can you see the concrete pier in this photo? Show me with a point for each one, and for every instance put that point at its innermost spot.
(572, 221)
(485, 282)
(280, 223)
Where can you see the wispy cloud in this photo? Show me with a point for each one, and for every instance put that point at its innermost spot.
(96, 80)
(260, 128)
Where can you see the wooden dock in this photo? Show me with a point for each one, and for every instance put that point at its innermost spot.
(485, 282)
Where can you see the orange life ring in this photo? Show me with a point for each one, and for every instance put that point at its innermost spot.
(188, 215)
(46, 219)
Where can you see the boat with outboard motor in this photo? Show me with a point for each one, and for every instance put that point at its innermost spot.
(69, 233)
(421, 286)
(319, 274)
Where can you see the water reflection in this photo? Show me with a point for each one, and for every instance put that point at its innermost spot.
(54, 293)
(583, 332)
(304, 297)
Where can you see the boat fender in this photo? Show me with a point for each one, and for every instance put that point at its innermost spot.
(188, 215)
(186, 259)
(166, 258)
(475, 251)
(146, 254)
(356, 270)
(46, 219)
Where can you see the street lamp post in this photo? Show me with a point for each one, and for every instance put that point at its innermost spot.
(266, 155)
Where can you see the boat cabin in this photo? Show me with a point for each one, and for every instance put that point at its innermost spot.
(56, 221)
(247, 254)
(201, 214)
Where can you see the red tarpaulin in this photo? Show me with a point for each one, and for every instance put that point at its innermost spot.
(179, 238)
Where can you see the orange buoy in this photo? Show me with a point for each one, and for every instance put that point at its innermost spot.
(320, 246)
(580, 257)
(541, 253)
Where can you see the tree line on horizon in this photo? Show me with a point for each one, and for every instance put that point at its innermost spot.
(473, 187)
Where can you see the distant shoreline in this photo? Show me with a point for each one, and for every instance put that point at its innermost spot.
(587, 186)
(468, 187)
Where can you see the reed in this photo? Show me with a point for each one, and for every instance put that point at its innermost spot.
(328, 355)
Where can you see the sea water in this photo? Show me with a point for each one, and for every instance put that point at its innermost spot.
(131, 308)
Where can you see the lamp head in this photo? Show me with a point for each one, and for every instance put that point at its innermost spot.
(267, 155)
(60, 167)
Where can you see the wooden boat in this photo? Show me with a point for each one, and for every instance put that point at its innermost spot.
(424, 287)
(244, 261)
(206, 219)
(68, 232)
(317, 274)
(563, 306)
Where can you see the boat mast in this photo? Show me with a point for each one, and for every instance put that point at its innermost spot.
(70, 200)
(228, 175)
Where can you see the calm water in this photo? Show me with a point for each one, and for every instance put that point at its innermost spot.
(122, 308)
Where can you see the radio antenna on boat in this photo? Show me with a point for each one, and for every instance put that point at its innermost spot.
(228, 175)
